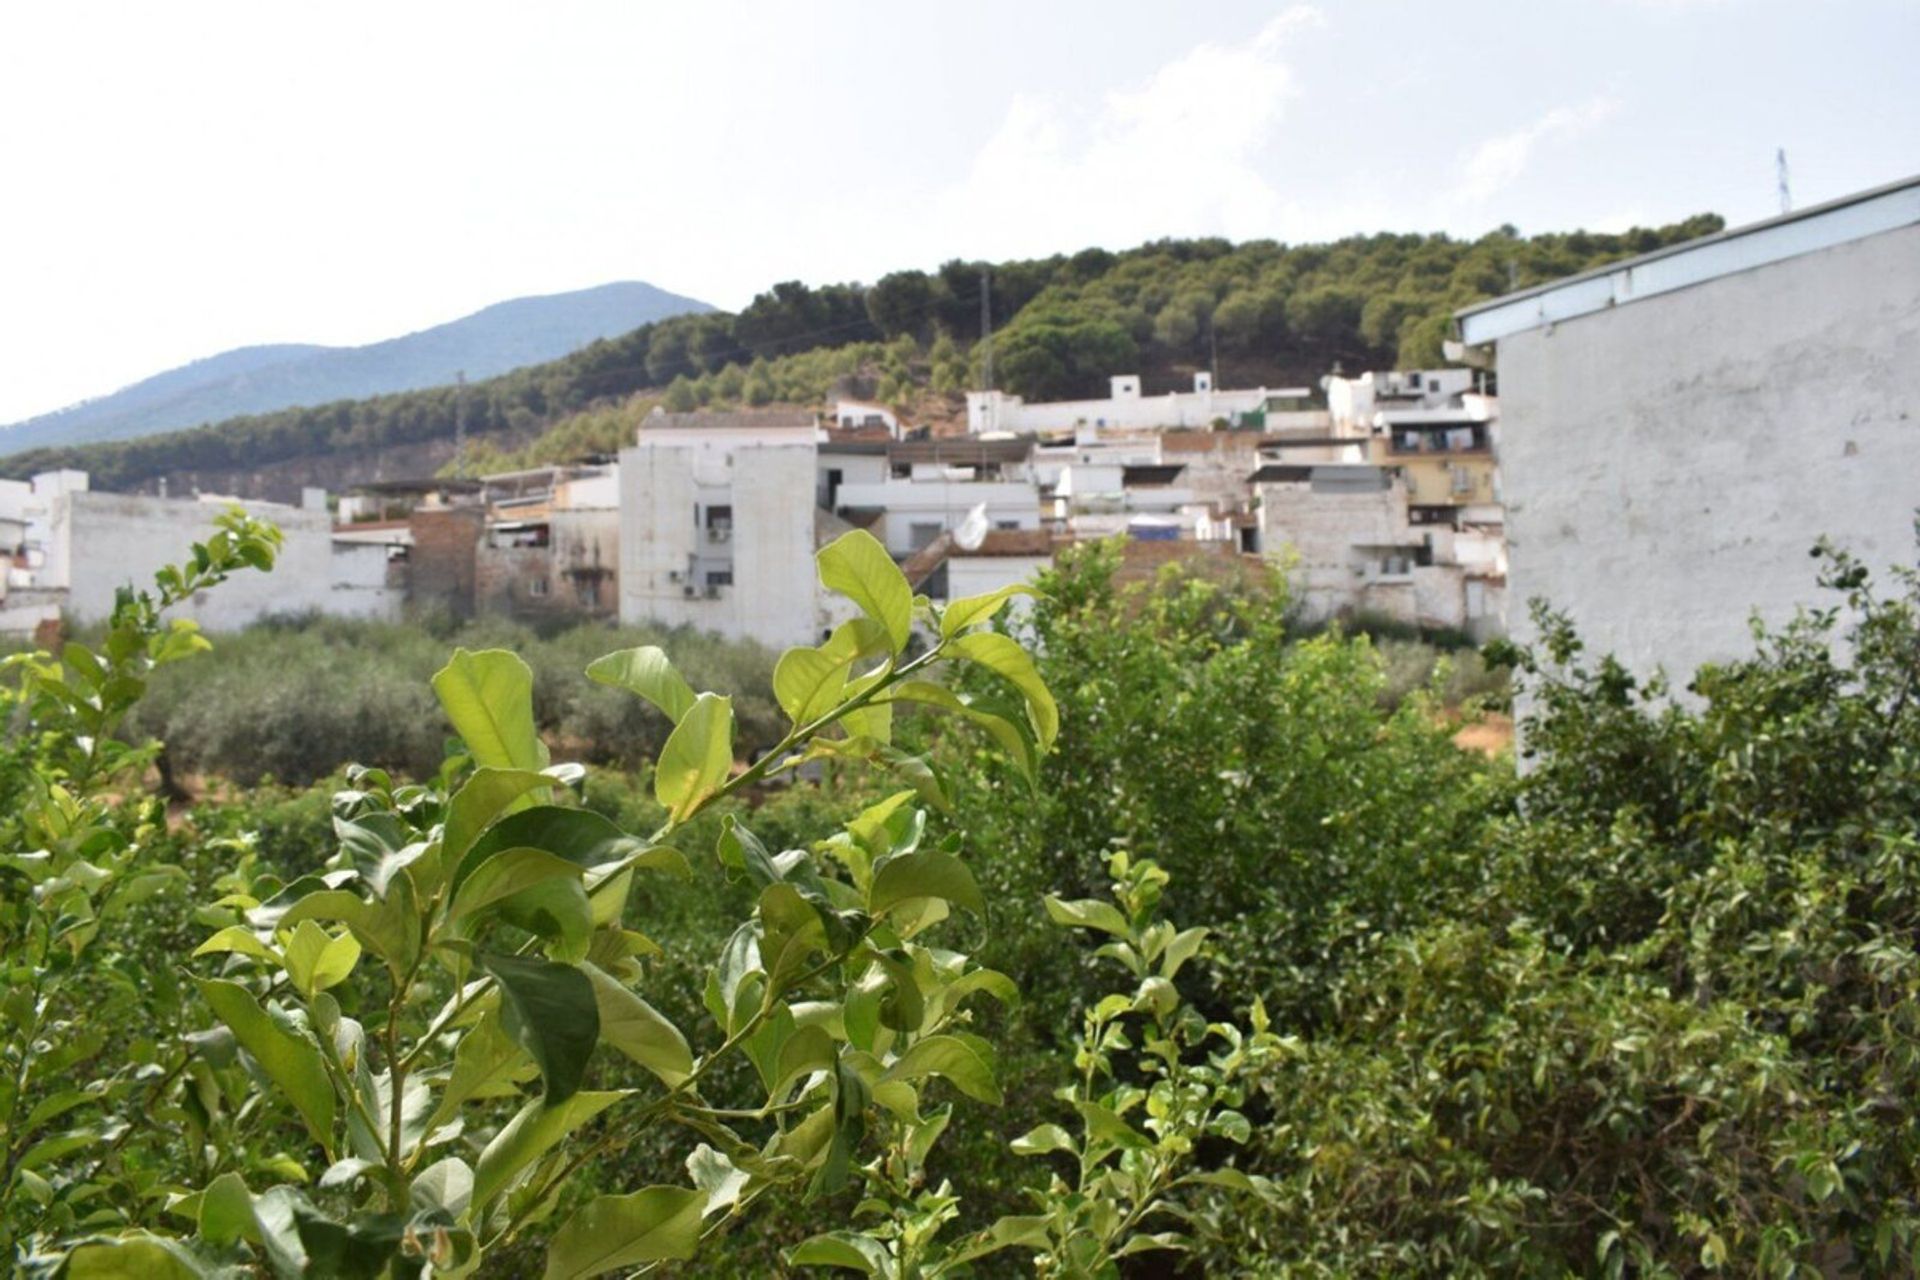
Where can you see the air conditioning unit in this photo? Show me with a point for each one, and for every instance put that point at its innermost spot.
(713, 592)
(687, 591)
(673, 575)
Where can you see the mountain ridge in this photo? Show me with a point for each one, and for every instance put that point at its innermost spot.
(266, 377)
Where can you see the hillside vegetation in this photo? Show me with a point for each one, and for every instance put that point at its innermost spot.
(1263, 312)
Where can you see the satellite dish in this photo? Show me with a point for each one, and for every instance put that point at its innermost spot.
(973, 530)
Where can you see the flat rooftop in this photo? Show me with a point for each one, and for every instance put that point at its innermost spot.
(1820, 226)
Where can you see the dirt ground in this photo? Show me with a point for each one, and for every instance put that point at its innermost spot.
(1491, 734)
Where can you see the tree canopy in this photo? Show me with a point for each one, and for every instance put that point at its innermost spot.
(1260, 311)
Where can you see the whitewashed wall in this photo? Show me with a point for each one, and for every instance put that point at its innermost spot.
(1668, 463)
(773, 598)
(103, 541)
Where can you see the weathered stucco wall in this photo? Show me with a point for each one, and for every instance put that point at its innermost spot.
(103, 541)
(1668, 464)
(773, 597)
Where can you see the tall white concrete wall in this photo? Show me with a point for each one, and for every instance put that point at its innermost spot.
(358, 587)
(1668, 463)
(977, 575)
(1332, 545)
(103, 541)
(773, 597)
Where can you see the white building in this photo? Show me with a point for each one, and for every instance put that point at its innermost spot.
(1356, 404)
(854, 415)
(931, 486)
(1344, 536)
(717, 525)
(79, 547)
(1679, 428)
(1125, 408)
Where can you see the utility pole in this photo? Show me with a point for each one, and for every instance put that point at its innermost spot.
(460, 423)
(986, 329)
(1780, 167)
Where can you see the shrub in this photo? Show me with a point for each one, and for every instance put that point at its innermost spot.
(1673, 1028)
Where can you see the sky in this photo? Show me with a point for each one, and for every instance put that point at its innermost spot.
(180, 179)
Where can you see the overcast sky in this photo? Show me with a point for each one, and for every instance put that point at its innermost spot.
(181, 178)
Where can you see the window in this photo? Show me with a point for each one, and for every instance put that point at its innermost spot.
(537, 588)
(719, 577)
(1006, 524)
(923, 535)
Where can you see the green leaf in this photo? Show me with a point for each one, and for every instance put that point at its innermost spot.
(292, 1062)
(1016, 739)
(637, 1029)
(551, 1012)
(808, 683)
(1185, 946)
(697, 758)
(1088, 913)
(952, 1059)
(134, 1257)
(847, 1122)
(1039, 1142)
(857, 638)
(316, 960)
(506, 873)
(992, 981)
(973, 610)
(529, 1135)
(488, 697)
(846, 1249)
(485, 1063)
(388, 927)
(237, 938)
(299, 1240)
(485, 796)
(874, 719)
(1008, 660)
(928, 873)
(717, 1177)
(1148, 1243)
(651, 1225)
(555, 910)
(226, 1211)
(807, 1050)
(859, 568)
(647, 672)
(584, 838)
(1104, 1124)
(1021, 1231)
(447, 1184)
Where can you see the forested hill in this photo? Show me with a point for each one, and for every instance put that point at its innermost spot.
(1268, 313)
(253, 380)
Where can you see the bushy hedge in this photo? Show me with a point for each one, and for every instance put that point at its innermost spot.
(296, 699)
(1647, 1009)
(1668, 1023)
